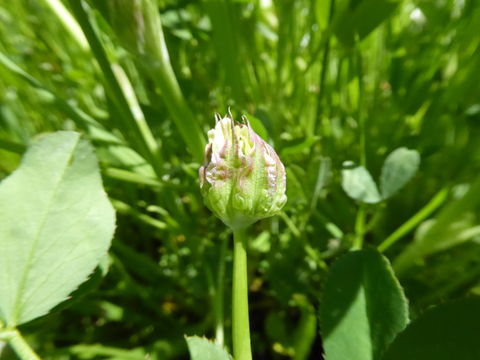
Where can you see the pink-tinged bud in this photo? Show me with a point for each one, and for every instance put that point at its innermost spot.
(243, 179)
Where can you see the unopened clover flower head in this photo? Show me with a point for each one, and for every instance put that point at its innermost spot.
(242, 179)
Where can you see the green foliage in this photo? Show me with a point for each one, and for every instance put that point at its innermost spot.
(399, 167)
(359, 185)
(356, 19)
(449, 331)
(379, 84)
(454, 225)
(203, 349)
(56, 224)
(363, 307)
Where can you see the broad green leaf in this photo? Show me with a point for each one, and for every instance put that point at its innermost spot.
(359, 185)
(449, 331)
(399, 167)
(90, 285)
(363, 307)
(204, 349)
(56, 224)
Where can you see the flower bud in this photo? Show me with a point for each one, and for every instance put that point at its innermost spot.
(242, 179)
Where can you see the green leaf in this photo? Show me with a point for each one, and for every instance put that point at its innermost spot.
(258, 126)
(399, 167)
(363, 307)
(322, 12)
(203, 349)
(359, 185)
(299, 145)
(449, 331)
(56, 224)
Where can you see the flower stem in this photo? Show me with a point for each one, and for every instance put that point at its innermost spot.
(240, 322)
(18, 343)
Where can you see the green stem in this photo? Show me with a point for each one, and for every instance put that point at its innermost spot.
(359, 228)
(416, 219)
(219, 291)
(19, 345)
(240, 322)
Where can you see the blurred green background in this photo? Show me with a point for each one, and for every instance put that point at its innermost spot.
(325, 82)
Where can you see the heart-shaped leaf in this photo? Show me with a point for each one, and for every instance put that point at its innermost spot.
(399, 167)
(363, 307)
(359, 185)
